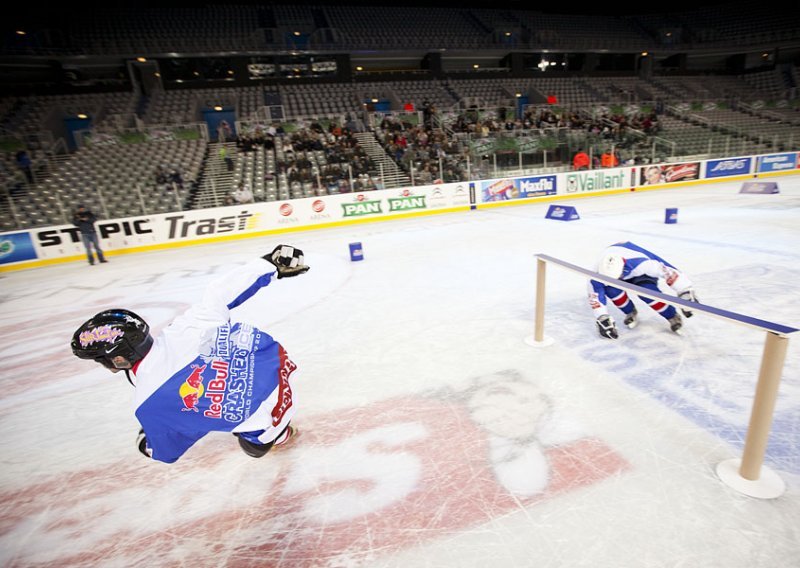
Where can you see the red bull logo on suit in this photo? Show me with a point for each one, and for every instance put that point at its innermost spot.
(216, 390)
(192, 389)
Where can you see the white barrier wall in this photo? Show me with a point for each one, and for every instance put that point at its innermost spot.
(37, 247)
(148, 232)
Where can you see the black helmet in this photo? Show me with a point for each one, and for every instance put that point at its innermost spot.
(113, 334)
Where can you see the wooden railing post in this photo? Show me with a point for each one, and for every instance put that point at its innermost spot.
(769, 377)
(541, 272)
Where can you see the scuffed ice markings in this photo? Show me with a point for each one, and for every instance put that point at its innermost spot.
(18, 360)
(520, 423)
(708, 375)
(354, 486)
(385, 473)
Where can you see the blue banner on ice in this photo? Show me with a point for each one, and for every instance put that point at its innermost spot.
(730, 167)
(759, 187)
(562, 213)
(777, 162)
(356, 252)
(15, 247)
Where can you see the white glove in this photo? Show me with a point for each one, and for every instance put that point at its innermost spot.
(141, 444)
(288, 260)
(689, 296)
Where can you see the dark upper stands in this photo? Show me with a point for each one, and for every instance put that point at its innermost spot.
(127, 30)
(474, 129)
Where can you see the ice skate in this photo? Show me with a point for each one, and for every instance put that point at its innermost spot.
(631, 320)
(676, 323)
(282, 440)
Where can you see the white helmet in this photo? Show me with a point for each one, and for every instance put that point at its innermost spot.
(611, 265)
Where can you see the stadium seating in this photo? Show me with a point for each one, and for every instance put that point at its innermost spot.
(115, 172)
(124, 30)
(118, 180)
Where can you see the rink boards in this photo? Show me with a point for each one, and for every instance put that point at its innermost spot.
(62, 243)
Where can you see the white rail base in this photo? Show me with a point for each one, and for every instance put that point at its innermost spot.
(769, 485)
(546, 342)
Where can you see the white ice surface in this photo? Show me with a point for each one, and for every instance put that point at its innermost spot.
(431, 435)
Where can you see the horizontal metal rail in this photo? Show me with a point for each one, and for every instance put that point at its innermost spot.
(783, 330)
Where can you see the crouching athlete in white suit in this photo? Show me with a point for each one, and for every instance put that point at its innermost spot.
(631, 263)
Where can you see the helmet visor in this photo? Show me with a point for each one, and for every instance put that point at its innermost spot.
(114, 363)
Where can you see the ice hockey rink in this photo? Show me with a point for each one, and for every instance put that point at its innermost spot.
(430, 433)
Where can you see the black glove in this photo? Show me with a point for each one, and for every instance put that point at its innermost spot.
(288, 260)
(606, 327)
(141, 443)
(689, 296)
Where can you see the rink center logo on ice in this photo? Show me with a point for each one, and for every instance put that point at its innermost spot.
(499, 442)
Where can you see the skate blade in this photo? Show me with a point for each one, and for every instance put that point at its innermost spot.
(293, 432)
